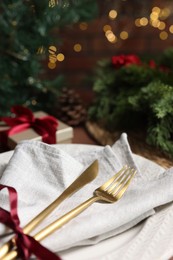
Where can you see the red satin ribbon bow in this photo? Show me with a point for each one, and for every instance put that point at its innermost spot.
(45, 126)
(26, 245)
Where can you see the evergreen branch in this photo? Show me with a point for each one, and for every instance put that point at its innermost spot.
(139, 92)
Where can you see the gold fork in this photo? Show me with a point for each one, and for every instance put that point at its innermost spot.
(111, 191)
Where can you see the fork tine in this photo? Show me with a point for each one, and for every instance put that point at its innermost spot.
(117, 181)
(115, 187)
(112, 179)
(126, 183)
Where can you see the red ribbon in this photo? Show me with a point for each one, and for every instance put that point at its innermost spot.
(45, 126)
(26, 245)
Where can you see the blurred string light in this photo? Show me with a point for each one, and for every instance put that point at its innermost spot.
(107, 27)
(60, 57)
(113, 14)
(161, 25)
(53, 57)
(141, 21)
(108, 31)
(124, 35)
(171, 28)
(77, 47)
(83, 26)
(156, 20)
(111, 37)
(163, 35)
(165, 13)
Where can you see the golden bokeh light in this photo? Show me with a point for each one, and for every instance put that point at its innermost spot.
(155, 23)
(171, 28)
(107, 27)
(60, 57)
(156, 9)
(51, 65)
(124, 35)
(108, 32)
(52, 49)
(156, 19)
(83, 26)
(165, 12)
(137, 22)
(77, 47)
(52, 58)
(143, 21)
(163, 35)
(111, 37)
(154, 16)
(112, 14)
(162, 26)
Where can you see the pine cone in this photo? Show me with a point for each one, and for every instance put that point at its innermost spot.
(71, 109)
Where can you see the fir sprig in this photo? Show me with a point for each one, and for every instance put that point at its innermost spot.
(137, 95)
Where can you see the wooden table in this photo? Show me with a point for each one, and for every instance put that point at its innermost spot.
(81, 136)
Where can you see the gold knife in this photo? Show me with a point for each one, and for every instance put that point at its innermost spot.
(87, 176)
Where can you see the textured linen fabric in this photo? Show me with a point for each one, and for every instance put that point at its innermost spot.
(40, 172)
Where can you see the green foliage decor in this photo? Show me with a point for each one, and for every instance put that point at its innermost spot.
(133, 94)
(26, 26)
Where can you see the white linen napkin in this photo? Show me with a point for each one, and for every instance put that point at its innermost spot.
(40, 172)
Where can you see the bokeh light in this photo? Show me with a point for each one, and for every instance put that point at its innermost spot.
(77, 47)
(112, 14)
(60, 57)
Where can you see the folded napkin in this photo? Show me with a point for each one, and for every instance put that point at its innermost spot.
(40, 173)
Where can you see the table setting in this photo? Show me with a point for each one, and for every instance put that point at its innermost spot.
(137, 225)
(86, 130)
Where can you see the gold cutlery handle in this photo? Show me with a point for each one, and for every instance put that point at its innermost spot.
(56, 224)
(64, 219)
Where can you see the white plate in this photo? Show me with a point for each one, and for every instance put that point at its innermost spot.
(126, 245)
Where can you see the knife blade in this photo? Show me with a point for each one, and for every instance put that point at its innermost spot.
(87, 176)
